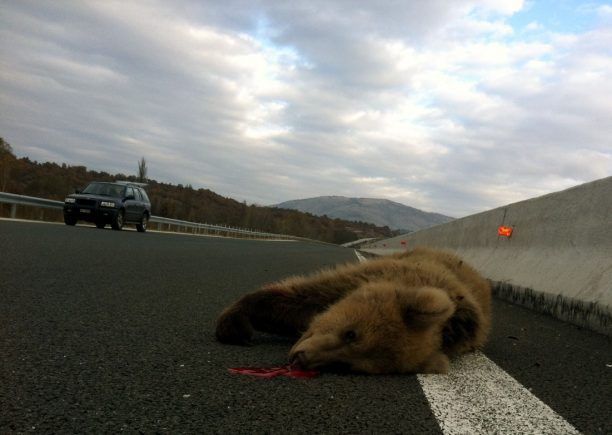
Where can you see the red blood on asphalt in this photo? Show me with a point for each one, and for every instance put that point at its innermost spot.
(289, 371)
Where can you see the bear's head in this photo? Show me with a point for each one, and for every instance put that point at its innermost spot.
(382, 327)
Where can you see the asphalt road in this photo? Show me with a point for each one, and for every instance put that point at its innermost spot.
(105, 331)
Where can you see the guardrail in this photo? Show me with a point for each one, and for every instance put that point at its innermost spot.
(180, 225)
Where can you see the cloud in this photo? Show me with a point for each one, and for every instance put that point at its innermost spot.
(444, 106)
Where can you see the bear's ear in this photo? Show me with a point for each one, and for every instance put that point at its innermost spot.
(425, 306)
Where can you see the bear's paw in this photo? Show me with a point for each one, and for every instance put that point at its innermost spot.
(234, 327)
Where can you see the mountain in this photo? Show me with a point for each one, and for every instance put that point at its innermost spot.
(376, 211)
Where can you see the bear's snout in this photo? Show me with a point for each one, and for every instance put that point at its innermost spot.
(298, 359)
(316, 350)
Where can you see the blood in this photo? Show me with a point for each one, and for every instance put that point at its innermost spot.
(272, 372)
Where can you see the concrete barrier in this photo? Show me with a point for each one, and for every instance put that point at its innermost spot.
(558, 259)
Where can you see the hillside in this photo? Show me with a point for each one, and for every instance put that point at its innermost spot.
(376, 211)
(53, 181)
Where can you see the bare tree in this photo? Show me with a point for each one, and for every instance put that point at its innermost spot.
(142, 170)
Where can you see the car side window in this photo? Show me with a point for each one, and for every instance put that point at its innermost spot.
(144, 195)
(137, 194)
(129, 191)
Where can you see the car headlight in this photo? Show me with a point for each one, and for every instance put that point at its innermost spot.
(107, 204)
(70, 200)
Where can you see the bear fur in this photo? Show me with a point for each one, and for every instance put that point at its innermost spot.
(404, 313)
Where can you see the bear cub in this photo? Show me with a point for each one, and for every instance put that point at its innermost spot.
(404, 313)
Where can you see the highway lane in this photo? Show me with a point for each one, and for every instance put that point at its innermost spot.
(107, 331)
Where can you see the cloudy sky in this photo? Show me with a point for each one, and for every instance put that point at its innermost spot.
(453, 106)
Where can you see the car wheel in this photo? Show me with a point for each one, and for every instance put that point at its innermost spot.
(117, 222)
(142, 226)
(70, 220)
(100, 224)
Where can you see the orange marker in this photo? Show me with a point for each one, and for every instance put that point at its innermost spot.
(504, 231)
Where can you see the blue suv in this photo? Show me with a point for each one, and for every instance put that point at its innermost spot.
(115, 203)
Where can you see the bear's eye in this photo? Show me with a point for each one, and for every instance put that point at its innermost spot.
(349, 336)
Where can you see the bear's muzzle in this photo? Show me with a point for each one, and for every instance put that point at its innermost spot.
(298, 359)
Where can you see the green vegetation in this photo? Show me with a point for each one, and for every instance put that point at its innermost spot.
(51, 180)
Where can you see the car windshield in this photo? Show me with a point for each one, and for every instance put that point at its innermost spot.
(105, 189)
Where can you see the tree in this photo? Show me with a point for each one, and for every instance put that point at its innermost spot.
(6, 160)
(142, 170)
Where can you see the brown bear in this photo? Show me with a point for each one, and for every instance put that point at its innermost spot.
(404, 313)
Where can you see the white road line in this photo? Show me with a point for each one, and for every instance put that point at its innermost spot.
(478, 397)
(360, 257)
(149, 230)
